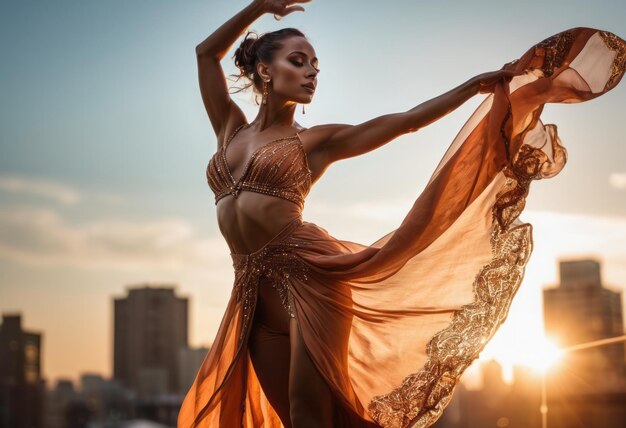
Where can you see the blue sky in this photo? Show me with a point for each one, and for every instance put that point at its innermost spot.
(104, 143)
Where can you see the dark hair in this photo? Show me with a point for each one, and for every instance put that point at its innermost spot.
(251, 51)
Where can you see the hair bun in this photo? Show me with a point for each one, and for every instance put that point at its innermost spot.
(245, 54)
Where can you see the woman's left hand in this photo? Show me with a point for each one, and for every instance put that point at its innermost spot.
(486, 82)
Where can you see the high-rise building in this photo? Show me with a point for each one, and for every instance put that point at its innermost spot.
(21, 386)
(587, 387)
(150, 326)
(581, 310)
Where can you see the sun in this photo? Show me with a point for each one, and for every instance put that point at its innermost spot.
(535, 351)
(545, 356)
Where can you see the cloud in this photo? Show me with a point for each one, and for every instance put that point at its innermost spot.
(41, 237)
(45, 188)
(618, 180)
(50, 189)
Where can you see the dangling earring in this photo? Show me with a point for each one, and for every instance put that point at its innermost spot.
(265, 92)
(302, 108)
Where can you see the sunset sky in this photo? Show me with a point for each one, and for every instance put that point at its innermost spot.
(105, 141)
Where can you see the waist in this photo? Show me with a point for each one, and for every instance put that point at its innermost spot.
(241, 259)
(251, 220)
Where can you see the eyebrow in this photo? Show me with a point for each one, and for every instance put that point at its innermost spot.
(300, 52)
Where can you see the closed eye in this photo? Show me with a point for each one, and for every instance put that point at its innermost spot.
(299, 64)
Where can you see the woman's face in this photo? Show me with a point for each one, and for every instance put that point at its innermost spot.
(294, 66)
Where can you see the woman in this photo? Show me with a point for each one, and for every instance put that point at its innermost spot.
(323, 332)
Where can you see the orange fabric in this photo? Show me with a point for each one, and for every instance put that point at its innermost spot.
(391, 326)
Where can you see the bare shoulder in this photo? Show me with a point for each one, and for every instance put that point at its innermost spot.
(313, 138)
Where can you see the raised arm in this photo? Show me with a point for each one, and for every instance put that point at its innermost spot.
(213, 88)
(339, 141)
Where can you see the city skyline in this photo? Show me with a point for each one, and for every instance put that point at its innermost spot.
(105, 143)
(580, 310)
(547, 349)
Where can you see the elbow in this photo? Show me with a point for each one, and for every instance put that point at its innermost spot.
(199, 51)
(209, 50)
(203, 52)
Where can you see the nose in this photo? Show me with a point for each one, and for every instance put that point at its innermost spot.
(311, 72)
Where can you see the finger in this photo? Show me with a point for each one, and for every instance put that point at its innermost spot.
(293, 9)
(512, 64)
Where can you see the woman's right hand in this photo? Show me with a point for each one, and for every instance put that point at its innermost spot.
(281, 7)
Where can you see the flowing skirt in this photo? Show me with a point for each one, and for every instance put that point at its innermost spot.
(392, 326)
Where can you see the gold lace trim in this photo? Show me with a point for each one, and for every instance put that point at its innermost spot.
(420, 399)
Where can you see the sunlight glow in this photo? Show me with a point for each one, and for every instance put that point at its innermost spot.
(514, 347)
(545, 356)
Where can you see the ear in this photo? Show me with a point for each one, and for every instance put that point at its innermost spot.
(263, 71)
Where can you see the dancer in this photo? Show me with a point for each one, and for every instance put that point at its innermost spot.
(324, 332)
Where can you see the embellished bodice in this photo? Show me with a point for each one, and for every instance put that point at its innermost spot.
(277, 168)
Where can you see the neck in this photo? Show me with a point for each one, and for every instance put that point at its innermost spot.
(274, 114)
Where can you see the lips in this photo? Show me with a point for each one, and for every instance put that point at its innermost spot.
(309, 86)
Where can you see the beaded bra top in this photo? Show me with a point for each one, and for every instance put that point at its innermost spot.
(277, 168)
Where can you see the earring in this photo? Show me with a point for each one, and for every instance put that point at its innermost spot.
(265, 92)
(302, 108)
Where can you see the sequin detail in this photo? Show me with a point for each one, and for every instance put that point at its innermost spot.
(278, 263)
(421, 397)
(554, 49)
(278, 168)
(619, 63)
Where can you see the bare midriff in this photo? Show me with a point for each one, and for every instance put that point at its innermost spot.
(252, 219)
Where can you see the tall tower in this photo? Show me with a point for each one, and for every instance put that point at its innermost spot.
(150, 326)
(21, 386)
(581, 310)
